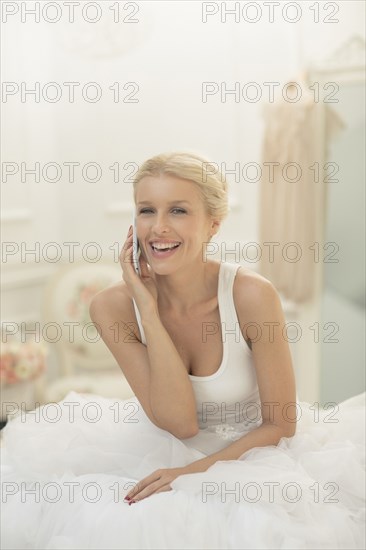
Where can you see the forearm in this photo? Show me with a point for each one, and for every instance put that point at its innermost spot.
(266, 434)
(171, 393)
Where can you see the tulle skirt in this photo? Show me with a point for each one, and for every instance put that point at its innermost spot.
(67, 466)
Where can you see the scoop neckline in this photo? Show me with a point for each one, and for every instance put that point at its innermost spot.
(225, 344)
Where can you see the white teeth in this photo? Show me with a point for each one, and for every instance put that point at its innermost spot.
(160, 246)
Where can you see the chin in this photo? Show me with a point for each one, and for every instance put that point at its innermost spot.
(165, 270)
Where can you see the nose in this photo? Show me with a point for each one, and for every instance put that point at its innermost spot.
(160, 224)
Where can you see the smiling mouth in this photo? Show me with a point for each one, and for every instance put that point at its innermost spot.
(162, 252)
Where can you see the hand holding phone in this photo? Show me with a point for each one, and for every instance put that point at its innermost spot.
(143, 288)
(136, 251)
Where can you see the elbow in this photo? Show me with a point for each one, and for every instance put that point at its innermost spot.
(289, 431)
(185, 432)
(292, 432)
(282, 431)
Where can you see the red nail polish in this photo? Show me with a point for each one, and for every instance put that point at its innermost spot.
(132, 502)
(127, 498)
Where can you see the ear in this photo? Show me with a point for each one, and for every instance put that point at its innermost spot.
(215, 226)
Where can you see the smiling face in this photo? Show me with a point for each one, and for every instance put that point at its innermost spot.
(169, 208)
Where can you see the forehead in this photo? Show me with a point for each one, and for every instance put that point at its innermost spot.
(167, 187)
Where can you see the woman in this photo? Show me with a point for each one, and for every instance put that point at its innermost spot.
(178, 200)
(215, 450)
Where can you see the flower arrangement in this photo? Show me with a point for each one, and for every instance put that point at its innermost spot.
(24, 358)
(20, 361)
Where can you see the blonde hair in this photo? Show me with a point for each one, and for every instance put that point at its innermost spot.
(211, 185)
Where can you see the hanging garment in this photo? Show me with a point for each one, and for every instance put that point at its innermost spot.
(292, 199)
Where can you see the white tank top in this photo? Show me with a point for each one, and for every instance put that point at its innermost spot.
(228, 400)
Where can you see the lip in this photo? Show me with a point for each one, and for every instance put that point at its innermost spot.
(163, 242)
(162, 255)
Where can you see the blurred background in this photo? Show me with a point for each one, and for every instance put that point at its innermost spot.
(92, 90)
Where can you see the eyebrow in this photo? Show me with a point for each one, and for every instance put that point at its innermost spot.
(171, 202)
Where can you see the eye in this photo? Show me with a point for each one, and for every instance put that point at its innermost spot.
(180, 210)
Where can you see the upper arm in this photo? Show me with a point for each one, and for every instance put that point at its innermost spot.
(262, 321)
(110, 311)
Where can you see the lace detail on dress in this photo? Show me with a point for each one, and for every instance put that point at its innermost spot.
(228, 432)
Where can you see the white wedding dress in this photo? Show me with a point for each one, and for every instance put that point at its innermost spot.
(66, 467)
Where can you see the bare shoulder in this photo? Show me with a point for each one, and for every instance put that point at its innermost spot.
(257, 302)
(115, 297)
(114, 304)
(254, 293)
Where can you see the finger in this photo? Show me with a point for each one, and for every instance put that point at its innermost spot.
(127, 243)
(127, 255)
(143, 265)
(143, 483)
(164, 488)
(123, 257)
(149, 490)
(128, 238)
(149, 271)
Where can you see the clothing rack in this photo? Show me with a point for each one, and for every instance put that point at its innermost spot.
(345, 64)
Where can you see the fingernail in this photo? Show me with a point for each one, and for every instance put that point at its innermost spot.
(132, 502)
(127, 498)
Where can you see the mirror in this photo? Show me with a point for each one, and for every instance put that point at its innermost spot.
(342, 372)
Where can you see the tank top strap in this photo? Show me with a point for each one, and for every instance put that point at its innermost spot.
(139, 322)
(226, 298)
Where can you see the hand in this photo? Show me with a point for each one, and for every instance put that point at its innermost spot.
(156, 482)
(143, 289)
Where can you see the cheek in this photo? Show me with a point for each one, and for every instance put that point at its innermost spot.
(142, 226)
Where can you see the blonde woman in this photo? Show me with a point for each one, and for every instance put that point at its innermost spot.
(189, 310)
(215, 450)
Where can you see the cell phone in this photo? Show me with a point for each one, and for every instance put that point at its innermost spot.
(136, 251)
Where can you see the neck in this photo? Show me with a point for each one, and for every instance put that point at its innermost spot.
(182, 292)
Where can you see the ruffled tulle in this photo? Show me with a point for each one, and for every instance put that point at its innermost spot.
(67, 466)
